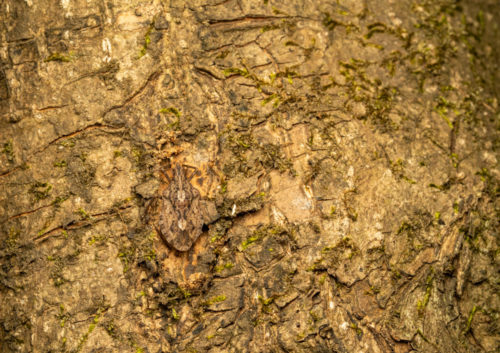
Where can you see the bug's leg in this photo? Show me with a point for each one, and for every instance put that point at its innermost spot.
(215, 173)
(149, 208)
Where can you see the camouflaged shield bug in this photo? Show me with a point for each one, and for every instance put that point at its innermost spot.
(180, 221)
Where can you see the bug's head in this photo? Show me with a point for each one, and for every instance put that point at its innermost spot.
(179, 175)
(178, 171)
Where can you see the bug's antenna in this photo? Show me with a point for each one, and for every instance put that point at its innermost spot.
(195, 171)
(165, 175)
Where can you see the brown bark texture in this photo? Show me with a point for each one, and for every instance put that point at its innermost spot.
(249, 176)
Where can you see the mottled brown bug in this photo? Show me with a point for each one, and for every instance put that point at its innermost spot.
(180, 211)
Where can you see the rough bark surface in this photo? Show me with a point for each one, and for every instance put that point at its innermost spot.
(345, 152)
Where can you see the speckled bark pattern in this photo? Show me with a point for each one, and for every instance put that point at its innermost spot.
(348, 158)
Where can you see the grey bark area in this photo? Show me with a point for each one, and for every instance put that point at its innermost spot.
(346, 158)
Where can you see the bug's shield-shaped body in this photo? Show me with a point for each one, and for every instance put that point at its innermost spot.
(180, 222)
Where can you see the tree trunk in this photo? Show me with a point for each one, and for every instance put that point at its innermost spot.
(249, 176)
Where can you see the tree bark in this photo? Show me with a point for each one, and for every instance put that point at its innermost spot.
(249, 176)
